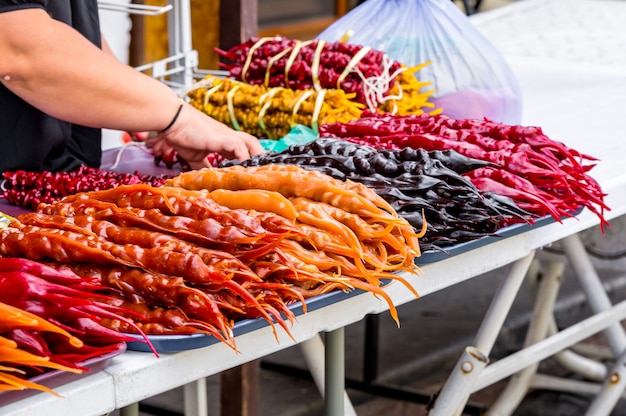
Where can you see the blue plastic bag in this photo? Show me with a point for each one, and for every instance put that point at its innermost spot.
(299, 134)
(470, 77)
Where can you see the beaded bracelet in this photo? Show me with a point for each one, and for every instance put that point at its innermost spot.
(173, 120)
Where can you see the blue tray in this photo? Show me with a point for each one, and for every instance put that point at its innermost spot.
(175, 343)
(432, 256)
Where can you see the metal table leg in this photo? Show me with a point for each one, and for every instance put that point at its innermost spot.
(315, 357)
(196, 398)
(548, 347)
(130, 410)
(615, 384)
(541, 319)
(589, 368)
(592, 287)
(457, 389)
(611, 391)
(334, 372)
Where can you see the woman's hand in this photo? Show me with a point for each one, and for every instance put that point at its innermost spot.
(194, 136)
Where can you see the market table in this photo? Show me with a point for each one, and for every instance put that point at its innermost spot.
(574, 99)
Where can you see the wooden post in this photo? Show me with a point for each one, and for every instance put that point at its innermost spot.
(205, 25)
(239, 390)
(149, 34)
(238, 22)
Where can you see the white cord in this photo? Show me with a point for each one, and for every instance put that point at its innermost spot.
(118, 156)
(375, 87)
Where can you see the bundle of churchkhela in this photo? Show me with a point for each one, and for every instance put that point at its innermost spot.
(541, 175)
(417, 184)
(378, 82)
(217, 246)
(52, 320)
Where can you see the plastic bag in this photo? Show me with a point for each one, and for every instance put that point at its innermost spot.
(470, 76)
(299, 134)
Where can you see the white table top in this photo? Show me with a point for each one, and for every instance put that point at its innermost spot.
(569, 57)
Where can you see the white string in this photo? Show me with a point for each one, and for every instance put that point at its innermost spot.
(375, 87)
(205, 82)
(118, 156)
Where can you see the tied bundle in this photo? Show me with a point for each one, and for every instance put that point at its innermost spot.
(29, 189)
(270, 112)
(51, 320)
(540, 175)
(344, 235)
(419, 185)
(369, 74)
(216, 246)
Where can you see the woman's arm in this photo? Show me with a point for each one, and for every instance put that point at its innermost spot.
(106, 48)
(55, 69)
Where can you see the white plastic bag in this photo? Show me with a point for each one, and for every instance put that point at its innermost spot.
(470, 77)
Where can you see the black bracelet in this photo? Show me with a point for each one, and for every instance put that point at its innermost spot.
(169, 126)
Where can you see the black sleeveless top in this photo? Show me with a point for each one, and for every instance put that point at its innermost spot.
(34, 141)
